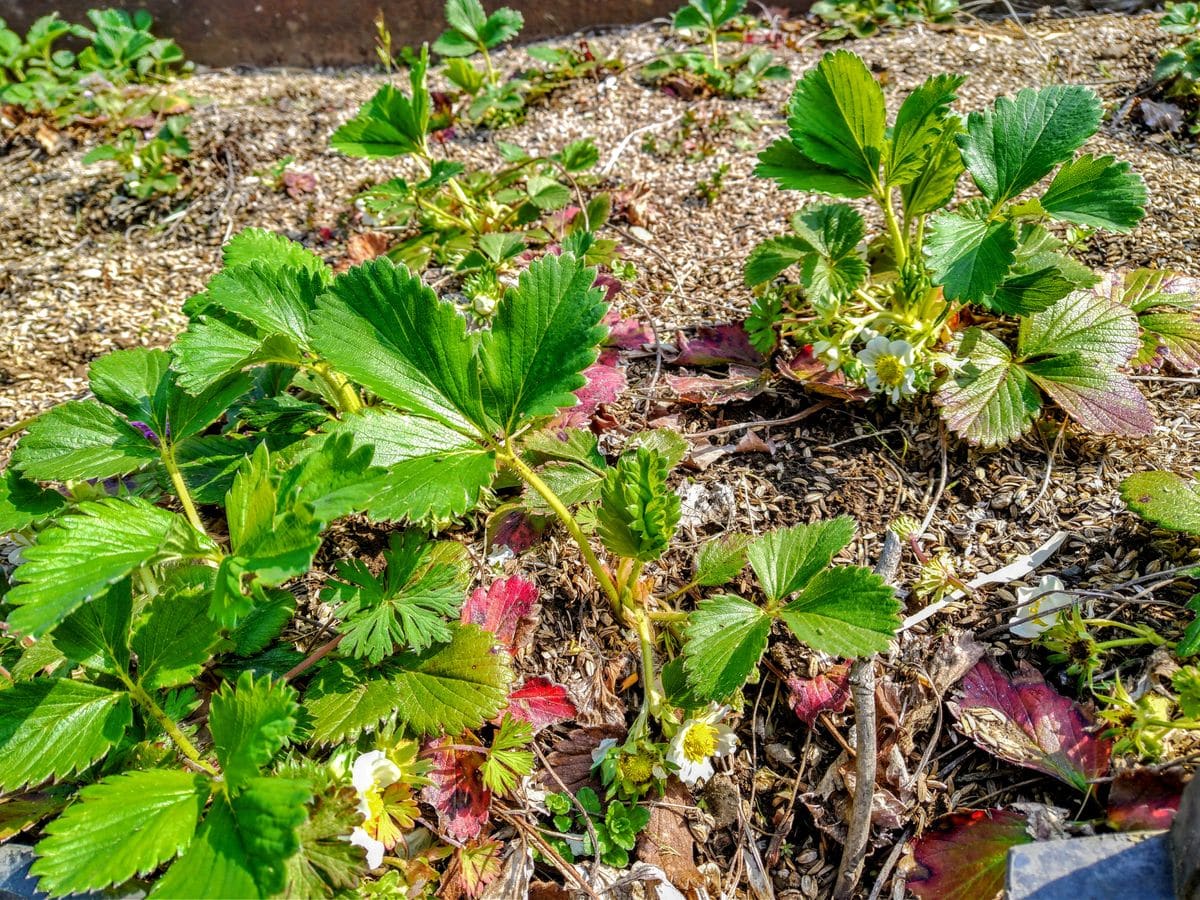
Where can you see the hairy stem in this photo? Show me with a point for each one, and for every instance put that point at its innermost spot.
(532, 479)
(185, 746)
(343, 391)
(181, 489)
(712, 43)
(487, 64)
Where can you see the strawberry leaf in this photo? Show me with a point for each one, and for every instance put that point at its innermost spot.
(100, 543)
(638, 512)
(963, 856)
(786, 559)
(502, 609)
(827, 692)
(408, 604)
(81, 439)
(989, 401)
(969, 254)
(54, 727)
(250, 723)
(124, 826)
(845, 611)
(1145, 799)
(541, 703)
(1016, 143)
(1097, 191)
(452, 687)
(390, 124)
(1099, 399)
(726, 637)
(543, 336)
(1164, 498)
(457, 790)
(1026, 722)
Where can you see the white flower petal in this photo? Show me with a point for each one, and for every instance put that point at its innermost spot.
(373, 770)
(374, 848)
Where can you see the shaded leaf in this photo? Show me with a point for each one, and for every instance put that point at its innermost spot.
(829, 691)
(457, 790)
(962, 856)
(1145, 799)
(1026, 722)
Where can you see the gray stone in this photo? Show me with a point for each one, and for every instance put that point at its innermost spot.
(15, 882)
(1092, 868)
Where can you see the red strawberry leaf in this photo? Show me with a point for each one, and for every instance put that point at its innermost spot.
(502, 608)
(811, 372)
(829, 691)
(541, 703)
(1145, 800)
(1026, 722)
(478, 866)
(962, 856)
(516, 529)
(716, 345)
(456, 789)
(623, 333)
(605, 383)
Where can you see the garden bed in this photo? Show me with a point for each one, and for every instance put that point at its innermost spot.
(84, 271)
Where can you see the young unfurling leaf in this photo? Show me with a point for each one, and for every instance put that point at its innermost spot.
(508, 760)
(391, 124)
(638, 512)
(409, 604)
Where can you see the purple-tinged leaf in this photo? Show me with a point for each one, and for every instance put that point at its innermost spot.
(963, 855)
(1144, 799)
(828, 692)
(502, 609)
(742, 383)
(605, 383)
(541, 703)
(1026, 722)
(517, 530)
(716, 345)
(625, 333)
(811, 372)
(456, 790)
(1103, 401)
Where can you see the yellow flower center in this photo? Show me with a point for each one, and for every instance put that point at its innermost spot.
(637, 767)
(890, 370)
(700, 742)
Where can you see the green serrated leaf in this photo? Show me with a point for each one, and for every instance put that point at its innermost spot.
(390, 124)
(96, 635)
(409, 604)
(1096, 191)
(269, 813)
(787, 165)
(449, 688)
(434, 474)
(786, 559)
(333, 478)
(726, 637)
(920, 122)
(773, 255)
(1099, 329)
(100, 543)
(125, 826)
(544, 334)
(275, 300)
(210, 349)
(54, 727)
(989, 401)
(508, 759)
(970, 256)
(1029, 293)
(1016, 143)
(255, 245)
(22, 502)
(81, 439)
(382, 327)
(844, 611)
(174, 637)
(835, 268)
(934, 186)
(720, 560)
(837, 117)
(250, 723)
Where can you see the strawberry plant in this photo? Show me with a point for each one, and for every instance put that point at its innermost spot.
(1177, 72)
(118, 75)
(863, 18)
(741, 75)
(147, 164)
(976, 301)
(474, 218)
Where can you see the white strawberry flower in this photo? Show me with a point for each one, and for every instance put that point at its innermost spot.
(698, 742)
(889, 366)
(1046, 594)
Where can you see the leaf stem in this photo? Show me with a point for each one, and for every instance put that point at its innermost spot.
(19, 426)
(531, 478)
(487, 62)
(186, 747)
(343, 391)
(167, 453)
(712, 43)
